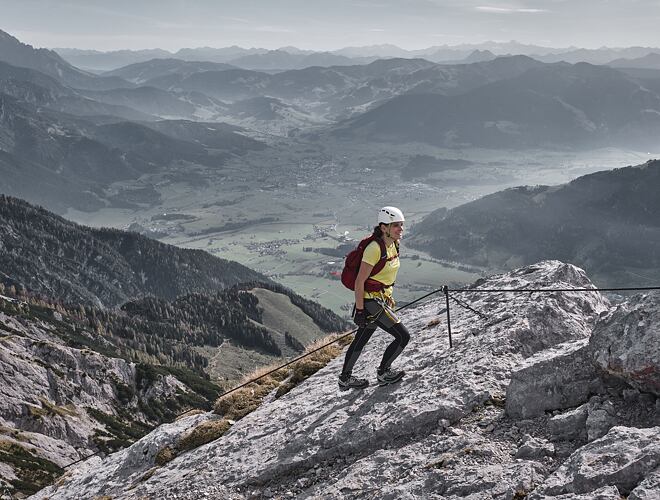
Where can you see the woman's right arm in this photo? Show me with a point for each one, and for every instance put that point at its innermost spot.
(363, 275)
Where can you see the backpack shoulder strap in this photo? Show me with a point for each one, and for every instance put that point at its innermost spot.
(383, 257)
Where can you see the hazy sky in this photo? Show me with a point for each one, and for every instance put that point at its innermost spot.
(328, 24)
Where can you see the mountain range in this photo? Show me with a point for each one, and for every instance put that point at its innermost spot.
(483, 93)
(649, 61)
(552, 106)
(606, 222)
(293, 58)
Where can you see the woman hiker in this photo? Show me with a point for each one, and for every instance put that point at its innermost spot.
(376, 308)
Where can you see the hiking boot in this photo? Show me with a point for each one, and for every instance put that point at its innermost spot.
(389, 376)
(351, 382)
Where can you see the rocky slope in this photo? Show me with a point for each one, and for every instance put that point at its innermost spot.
(78, 380)
(528, 403)
(61, 401)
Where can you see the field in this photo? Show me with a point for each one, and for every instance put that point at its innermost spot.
(276, 210)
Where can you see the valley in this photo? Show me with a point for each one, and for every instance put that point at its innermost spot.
(285, 210)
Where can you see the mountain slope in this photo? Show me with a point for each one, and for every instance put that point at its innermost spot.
(32, 87)
(66, 393)
(49, 62)
(444, 431)
(94, 380)
(211, 135)
(147, 100)
(60, 259)
(107, 61)
(139, 73)
(330, 90)
(607, 222)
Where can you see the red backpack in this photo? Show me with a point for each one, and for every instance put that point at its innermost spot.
(354, 259)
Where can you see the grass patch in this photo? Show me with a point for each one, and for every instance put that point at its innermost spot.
(239, 403)
(164, 456)
(308, 366)
(245, 400)
(49, 409)
(147, 475)
(204, 433)
(13, 433)
(33, 473)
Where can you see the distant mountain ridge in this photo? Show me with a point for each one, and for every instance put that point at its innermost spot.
(607, 222)
(545, 106)
(649, 61)
(291, 57)
(141, 72)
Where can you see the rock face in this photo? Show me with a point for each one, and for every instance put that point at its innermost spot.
(624, 457)
(440, 433)
(59, 404)
(558, 378)
(626, 343)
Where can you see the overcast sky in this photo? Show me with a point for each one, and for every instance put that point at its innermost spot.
(328, 24)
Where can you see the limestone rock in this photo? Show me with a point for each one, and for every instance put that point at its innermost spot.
(624, 457)
(626, 342)
(569, 425)
(130, 464)
(649, 489)
(49, 392)
(604, 493)
(558, 378)
(534, 448)
(601, 417)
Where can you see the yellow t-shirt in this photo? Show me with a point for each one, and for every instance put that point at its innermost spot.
(387, 275)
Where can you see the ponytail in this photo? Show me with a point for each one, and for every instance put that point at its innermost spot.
(378, 232)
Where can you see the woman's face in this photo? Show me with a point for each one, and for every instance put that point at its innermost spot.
(394, 230)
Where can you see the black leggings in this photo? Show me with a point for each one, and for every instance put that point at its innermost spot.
(388, 322)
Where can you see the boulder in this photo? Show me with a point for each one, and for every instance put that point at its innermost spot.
(557, 378)
(626, 342)
(625, 457)
(604, 493)
(649, 489)
(534, 448)
(569, 425)
(601, 417)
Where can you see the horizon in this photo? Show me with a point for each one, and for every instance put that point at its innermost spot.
(336, 49)
(172, 25)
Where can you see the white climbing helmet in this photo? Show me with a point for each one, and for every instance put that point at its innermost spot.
(387, 215)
